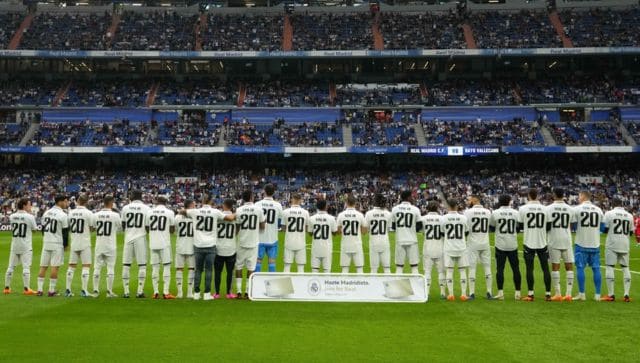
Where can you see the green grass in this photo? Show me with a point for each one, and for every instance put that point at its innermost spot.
(76, 329)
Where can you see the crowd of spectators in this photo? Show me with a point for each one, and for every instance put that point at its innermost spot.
(287, 94)
(27, 92)
(576, 133)
(159, 30)
(197, 92)
(375, 133)
(378, 94)
(243, 32)
(12, 133)
(523, 29)
(113, 93)
(191, 129)
(332, 31)
(494, 133)
(421, 31)
(67, 31)
(602, 27)
(9, 23)
(634, 130)
(86, 133)
(308, 134)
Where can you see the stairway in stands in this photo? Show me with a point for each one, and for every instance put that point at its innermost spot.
(469, 38)
(333, 93)
(347, 135)
(151, 96)
(626, 135)
(420, 136)
(17, 36)
(559, 27)
(113, 28)
(287, 34)
(62, 92)
(200, 27)
(242, 94)
(547, 136)
(33, 128)
(378, 39)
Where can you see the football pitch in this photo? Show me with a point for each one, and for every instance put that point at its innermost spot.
(85, 329)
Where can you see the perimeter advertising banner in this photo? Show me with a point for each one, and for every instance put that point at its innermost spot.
(278, 286)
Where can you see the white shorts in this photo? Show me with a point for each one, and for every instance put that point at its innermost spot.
(407, 251)
(357, 258)
(104, 260)
(135, 249)
(23, 259)
(611, 258)
(555, 255)
(162, 256)
(246, 257)
(189, 260)
(83, 255)
(321, 262)
(380, 258)
(479, 256)
(53, 258)
(299, 256)
(451, 261)
(429, 262)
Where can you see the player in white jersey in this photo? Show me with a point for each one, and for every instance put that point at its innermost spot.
(534, 223)
(587, 243)
(351, 225)
(559, 218)
(226, 248)
(80, 224)
(504, 221)
(55, 228)
(160, 222)
(454, 228)
(250, 220)
(432, 248)
(322, 227)
(619, 229)
(479, 249)
(206, 219)
(23, 223)
(107, 224)
(269, 235)
(295, 221)
(184, 250)
(135, 242)
(378, 222)
(406, 222)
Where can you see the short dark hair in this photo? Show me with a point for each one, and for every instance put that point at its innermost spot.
(586, 194)
(206, 198)
(247, 195)
(108, 199)
(405, 195)
(82, 199)
(161, 200)
(321, 204)
(188, 202)
(504, 200)
(351, 200)
(296, 196)
(269, 190)
(433, 206)
(533, 193)
(22, 202)
(379, 200)
(60, 197)
(136, 194)
(229, 203)
(616, 202)
(558, 193)
(453, 203)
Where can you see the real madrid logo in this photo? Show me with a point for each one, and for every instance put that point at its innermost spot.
(314, 287)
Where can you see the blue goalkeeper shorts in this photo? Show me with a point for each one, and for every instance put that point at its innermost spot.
(269, 249)
(587, 257)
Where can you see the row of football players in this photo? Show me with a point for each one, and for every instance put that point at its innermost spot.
(237, 238)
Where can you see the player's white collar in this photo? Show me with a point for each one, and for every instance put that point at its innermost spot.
(268, 198)
(137, 201)
(322, 212)
(405, 202)
(433, 213)
(559, 202)
(207, 206)
(247, 203)
(533, 202)
(80, 206)
(478, 206)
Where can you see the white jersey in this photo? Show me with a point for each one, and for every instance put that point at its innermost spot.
(133, 215)
(478, 218)
(454, 227)
(379, 222)
(533, 216)
(432, 225)
(107, 224)
(560, 216)
(322, 226)
(53, 222)
(505, 220)
(184, 232)
(22, 225)
(351, 221)
(405, 220)
(80, 223)
(227, 241)
(205, 221)
(620, 224)
(159, 220)
(588, 216)
(248, 217)
(273, 216)
(295, 222)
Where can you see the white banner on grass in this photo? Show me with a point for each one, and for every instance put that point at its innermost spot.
(277, 286)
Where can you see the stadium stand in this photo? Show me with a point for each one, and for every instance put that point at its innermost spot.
(9, 22)
(602, 27)
(332, 31)
(421, 31)
(243, 32)
(524, 29)
(155, 31)
(67, 31)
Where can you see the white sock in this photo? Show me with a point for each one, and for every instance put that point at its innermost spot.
(428, 284)
(472, 281)
(125, 278)
(190, 278)
(179, 281)
(555, 279)
(287, 267)
(442, 281)
(315, 270)
(386, 270)
(399, 270)
(530, 293)
(155, 276)
(239, 285)
(52, 284)
(360, 270)
(110, 277)
(500, 293)
(374, 269)
(463, 281)
(569, 283)
(414, 270)
(85, 278)
(626, 276)
(300, 269)
(26, 277)
(96, 280)
(450, 280)
(345, 270)
(609, 276)
(70, 272)
(40, 283)
(7, 278)
(142, 276)
(488, 278)
(166, 278)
